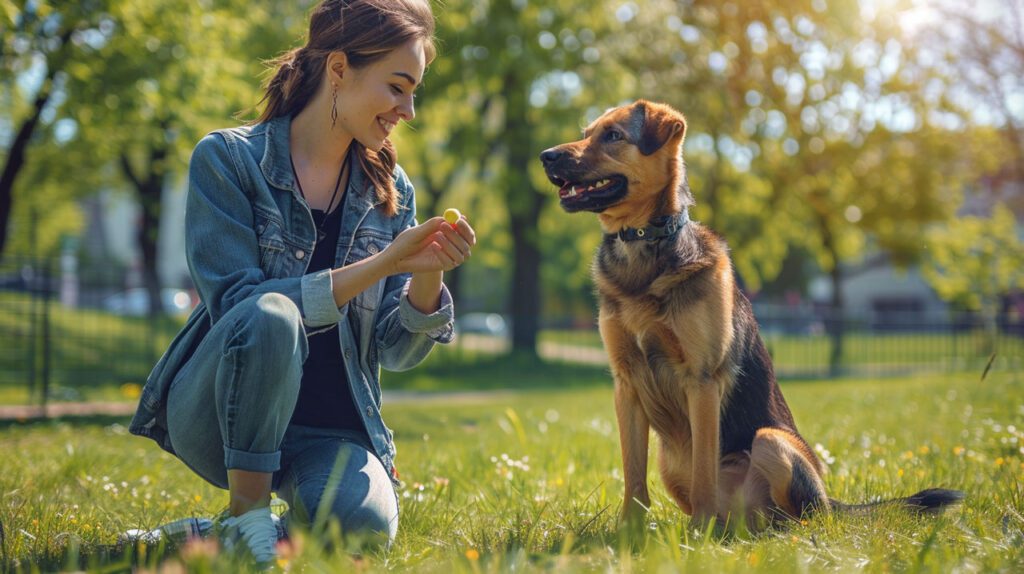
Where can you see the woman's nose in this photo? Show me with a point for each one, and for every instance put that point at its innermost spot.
(407, 109)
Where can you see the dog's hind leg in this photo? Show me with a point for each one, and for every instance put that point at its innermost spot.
(782, 462)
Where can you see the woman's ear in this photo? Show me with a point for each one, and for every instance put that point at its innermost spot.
(337, 67)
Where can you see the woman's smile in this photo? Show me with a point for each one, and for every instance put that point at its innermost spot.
(386, 125)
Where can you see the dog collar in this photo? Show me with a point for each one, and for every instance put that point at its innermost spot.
(657, 228)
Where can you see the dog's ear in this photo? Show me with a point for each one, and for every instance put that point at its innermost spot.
(652, 126)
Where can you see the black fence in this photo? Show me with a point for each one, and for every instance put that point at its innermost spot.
(69, 334)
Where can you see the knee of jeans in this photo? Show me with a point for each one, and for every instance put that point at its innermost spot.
(374, 521)
(374, 518)
(274, 326)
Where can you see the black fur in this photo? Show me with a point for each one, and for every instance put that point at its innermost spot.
(930, 501)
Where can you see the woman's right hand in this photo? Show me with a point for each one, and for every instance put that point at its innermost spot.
(432, 246)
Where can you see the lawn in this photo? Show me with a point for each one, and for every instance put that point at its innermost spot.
(531, 481)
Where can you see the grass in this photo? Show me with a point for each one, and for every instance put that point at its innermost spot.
(531, 481)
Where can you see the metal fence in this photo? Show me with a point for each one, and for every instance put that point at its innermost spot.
(61, 331)
(61, 338)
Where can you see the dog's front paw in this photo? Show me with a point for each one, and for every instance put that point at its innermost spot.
(633, 517)
(707, 523)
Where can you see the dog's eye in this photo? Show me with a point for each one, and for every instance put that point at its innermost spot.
(612, 136)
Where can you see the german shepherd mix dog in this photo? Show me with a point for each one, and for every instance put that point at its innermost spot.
(683, 343)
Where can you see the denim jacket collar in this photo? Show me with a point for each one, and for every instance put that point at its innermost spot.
(277, 167)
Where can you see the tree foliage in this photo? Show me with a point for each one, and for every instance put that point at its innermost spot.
(976, 261)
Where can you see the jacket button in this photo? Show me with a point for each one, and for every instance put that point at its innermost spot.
(372, 248)
(369, 411)
(300, 254)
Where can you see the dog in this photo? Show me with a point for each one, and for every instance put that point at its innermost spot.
(683, 345)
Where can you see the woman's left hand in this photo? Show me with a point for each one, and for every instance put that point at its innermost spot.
(433, 246)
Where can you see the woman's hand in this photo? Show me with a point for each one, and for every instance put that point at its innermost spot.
(433, 246)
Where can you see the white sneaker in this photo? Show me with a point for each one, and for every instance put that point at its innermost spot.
(253, 532)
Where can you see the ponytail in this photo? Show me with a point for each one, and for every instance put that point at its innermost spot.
(293, 84)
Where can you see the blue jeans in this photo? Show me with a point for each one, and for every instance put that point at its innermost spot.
(229, 408)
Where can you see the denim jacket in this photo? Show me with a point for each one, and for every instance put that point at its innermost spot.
(249, 231)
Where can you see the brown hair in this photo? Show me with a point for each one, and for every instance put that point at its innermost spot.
(365, 30)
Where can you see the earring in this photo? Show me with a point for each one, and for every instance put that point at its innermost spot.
(334, 107)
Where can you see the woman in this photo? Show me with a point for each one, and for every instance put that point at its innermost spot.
(302, 242)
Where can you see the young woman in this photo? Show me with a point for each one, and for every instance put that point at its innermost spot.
(302, 241)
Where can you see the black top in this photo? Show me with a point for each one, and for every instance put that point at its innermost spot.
(325, 399)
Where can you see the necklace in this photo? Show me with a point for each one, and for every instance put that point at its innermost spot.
(318, 225)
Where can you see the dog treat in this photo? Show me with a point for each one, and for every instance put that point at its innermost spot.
(452, 215)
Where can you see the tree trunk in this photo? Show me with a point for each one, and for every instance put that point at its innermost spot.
(524, 205)
(150, 191)
(16, 154)
(16, 158)
(834, 325)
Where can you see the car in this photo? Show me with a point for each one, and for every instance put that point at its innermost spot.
(135, 302)
(483, 323)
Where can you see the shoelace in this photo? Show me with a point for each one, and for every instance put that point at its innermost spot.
(257, 528)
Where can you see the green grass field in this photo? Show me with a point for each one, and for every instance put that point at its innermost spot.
(531, 481)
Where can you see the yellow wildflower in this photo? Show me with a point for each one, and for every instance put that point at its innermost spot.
(131, 390)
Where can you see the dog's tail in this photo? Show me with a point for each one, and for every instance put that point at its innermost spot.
(931, 501)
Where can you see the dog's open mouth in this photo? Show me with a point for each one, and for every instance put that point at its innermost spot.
(596, 195)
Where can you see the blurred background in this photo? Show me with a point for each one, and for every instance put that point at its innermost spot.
(864, 159)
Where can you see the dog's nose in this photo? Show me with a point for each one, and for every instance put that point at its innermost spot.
(551, 155)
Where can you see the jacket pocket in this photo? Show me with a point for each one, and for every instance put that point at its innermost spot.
(270, 236)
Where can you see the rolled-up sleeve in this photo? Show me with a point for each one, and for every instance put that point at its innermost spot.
(222, 247)
(437, 325)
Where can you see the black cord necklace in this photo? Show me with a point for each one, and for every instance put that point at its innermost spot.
(318, 225)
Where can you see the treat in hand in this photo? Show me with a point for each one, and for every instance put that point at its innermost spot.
(452, 215)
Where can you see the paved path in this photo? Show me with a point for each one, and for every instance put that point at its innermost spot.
(55, 410)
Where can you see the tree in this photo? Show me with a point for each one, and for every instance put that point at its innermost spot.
(812, 125)
(165, 73)
(975, 261)
(37, 40)
(516, 76)
(982, 52)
